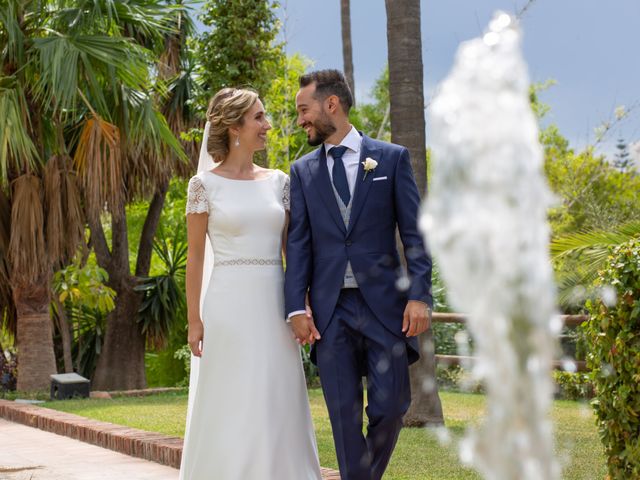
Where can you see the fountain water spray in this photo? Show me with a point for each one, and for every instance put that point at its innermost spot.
(486, 225)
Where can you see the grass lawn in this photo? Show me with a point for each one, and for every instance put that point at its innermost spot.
(418, 456)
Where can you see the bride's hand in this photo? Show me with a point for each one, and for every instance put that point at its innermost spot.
(195, 337)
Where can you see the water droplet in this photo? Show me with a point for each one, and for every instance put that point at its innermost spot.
(383, 365)
(443, 435)
(568, 365)
(428, 385)
(500, 22)
(607, 370)
(461, 337)
(398, 349)
(609, 296)
(403, 283)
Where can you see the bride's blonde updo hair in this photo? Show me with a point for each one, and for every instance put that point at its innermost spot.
(226, 109)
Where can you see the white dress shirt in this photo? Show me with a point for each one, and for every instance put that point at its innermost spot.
(350, 159)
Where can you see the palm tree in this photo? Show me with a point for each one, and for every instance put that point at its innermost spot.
(347, 46)
(408, 128)
(73, 106)
(592, 248)
(121, 363)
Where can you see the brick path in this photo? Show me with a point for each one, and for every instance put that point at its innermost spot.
(154, 447)
(32, 454)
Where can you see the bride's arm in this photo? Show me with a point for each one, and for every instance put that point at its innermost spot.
(286, 203)
(284, 233)
(196, 238)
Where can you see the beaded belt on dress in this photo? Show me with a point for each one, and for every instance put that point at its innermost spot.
(248, 261)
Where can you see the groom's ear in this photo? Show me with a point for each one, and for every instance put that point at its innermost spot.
(333, 103)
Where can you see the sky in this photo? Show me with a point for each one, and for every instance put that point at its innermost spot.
(589, 47)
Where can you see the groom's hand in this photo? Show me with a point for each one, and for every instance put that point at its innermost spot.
(416, 318)
(304, 328)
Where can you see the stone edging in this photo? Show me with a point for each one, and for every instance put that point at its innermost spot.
(151, 446)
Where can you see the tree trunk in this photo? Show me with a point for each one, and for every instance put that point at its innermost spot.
(121, 362)
(65, 335)
(145, 247)
(406, 97)
(406, 83)
(34, 340)
(347, 46)
(425, 409)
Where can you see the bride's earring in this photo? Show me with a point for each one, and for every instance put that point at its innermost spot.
(237, 142)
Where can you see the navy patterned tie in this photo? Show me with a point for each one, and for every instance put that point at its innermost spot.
(339, 174)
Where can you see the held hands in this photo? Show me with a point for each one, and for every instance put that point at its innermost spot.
(416, 318)
(304, 329)
(195, 336)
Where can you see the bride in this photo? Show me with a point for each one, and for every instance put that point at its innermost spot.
(248, 416)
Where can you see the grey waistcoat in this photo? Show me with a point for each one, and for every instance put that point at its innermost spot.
(349, 280)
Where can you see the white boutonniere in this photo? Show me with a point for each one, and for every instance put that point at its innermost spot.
(369, 166)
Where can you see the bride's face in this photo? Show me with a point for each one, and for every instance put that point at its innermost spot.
(252, 134)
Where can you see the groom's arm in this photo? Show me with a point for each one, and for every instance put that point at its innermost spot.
(299, 256)
(407, 205)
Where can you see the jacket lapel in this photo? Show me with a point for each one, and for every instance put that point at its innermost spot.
(322, 182)
(363, 183)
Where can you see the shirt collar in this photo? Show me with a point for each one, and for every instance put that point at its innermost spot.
(352, 141)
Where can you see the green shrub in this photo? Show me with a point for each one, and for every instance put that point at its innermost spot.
(183, 354)
(614, 358)
(573, 386)
(444, 337)
(310, 370)
(454, 378)
(8, 370)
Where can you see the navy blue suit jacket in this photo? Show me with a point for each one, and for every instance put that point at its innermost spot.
(319, 245)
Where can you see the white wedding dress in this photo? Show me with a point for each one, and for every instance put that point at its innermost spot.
(249, 418)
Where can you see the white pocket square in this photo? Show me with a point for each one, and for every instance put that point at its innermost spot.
(378, 179)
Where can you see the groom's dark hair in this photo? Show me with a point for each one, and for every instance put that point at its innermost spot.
(329, 82)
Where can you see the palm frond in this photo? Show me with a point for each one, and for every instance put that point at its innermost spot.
(70, 64)
(11, 36)
(592, 249)
(153, 149)
(89, 329)
(175, 42)
(138, 19)
(177, 107)
(7, 306)
(172, 253)
(593, 240)
(27, 250)
(576, 286)
(148, 21)
(65, 224)
(17, 150)
(5, 224)
(98, 161)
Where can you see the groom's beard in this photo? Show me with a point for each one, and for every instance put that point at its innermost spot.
(324, 129)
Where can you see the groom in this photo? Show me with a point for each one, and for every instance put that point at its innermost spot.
(347, 199)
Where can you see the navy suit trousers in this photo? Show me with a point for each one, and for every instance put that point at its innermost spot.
(356, 344)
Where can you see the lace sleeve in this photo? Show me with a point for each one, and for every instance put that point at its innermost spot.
(197, 197)
(285, 195)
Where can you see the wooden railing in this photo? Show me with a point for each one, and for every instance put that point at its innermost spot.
(568, 321)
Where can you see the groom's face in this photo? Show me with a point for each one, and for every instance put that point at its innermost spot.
(312, 116)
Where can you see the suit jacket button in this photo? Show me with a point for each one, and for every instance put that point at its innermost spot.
(348, 243)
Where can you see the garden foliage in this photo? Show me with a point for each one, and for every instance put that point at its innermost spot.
(614, 358)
